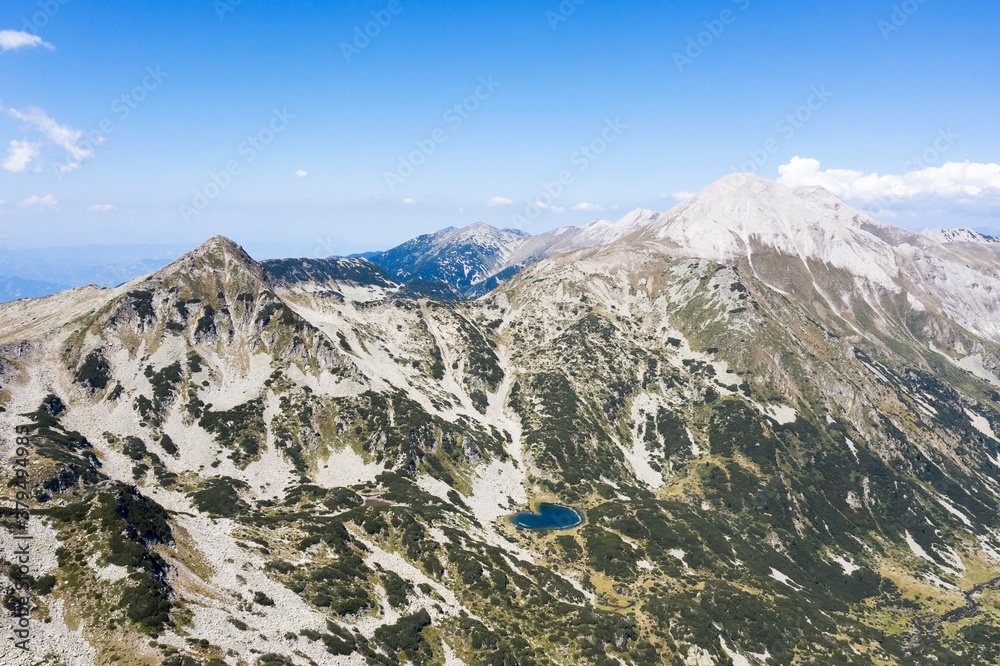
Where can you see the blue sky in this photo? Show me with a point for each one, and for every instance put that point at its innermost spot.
(668, 97)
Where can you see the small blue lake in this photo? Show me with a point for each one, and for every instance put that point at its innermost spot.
(549, 517)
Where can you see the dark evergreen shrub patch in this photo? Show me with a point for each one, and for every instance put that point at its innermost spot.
(95, 372)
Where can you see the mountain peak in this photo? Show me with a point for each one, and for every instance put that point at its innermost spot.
(466, 258)
(960, 235)
(743, 216)
(219, 246)
(218, 261)
(479, 232)
(749, 183)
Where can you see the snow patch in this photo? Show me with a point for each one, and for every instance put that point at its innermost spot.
(988, 548)
(737, 658)
(934, 580)
(782, 578)
(981, 424)
(917, 548)
(973, 364)
(783, 414)
(922, 554)
(845, 564)
(853, 448)
(951, 556)
(950, 508)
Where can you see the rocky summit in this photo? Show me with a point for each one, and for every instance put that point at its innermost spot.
(760, 428)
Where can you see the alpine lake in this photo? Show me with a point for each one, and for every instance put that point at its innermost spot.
(548, 517)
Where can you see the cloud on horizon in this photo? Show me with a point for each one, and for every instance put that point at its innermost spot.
(969, 187)
(48, 202)
(554, 209)
(587, 207)
(496, 202)
(102, 208)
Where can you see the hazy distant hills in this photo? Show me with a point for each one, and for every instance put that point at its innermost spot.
(30, 273)
(13, 288)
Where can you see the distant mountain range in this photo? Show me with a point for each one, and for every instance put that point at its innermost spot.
(451, 264)
(778, 416)
(474, 260)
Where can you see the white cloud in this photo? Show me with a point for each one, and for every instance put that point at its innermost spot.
(102, 208)
(48, 202)
(957, 182)
(680, 196)
(409, 202)
(20, 154)
(554, 209)
(301, 173)
(12, 40)
(587, 207)
(496, 202)
(71, 140)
